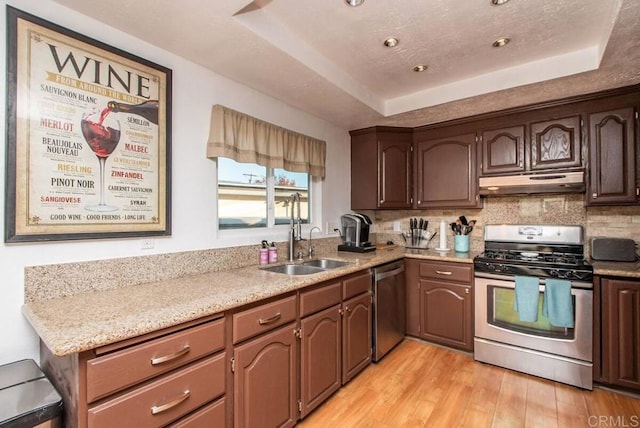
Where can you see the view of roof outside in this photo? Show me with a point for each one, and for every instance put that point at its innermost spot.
(242, 194)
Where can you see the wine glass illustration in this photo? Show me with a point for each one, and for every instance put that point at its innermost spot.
(102, 134)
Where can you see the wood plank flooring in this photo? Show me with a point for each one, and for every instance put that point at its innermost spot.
(423, 385)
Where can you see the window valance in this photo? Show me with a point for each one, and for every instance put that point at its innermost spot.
(244, 138)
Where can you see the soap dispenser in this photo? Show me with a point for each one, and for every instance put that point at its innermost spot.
(264, 253)
(273, 253)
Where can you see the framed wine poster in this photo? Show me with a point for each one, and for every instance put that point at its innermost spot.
(88, 137)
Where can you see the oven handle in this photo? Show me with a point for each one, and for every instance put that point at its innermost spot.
(507, 278)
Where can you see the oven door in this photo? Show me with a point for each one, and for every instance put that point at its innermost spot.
(495, 319)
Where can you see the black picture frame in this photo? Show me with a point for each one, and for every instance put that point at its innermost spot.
(65, 90)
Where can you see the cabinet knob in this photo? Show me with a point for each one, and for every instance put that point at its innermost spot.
(594, 195)
(466, 291)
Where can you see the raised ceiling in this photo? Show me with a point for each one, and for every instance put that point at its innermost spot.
(328, 59)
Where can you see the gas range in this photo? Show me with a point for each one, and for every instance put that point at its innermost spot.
(544, 251)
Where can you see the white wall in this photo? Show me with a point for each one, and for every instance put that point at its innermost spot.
(195, 90)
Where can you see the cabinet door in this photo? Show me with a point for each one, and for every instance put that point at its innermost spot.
(394, 172)
(556, 144)
(503, 150)
(412, 281)
(612, 156)
(446, 313)
(356, 336)
(447, 172)
(265, 380)
(621, 332)
(320, 357)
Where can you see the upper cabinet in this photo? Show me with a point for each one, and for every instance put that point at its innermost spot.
(612, 155)
(446, 171)
(556, 144)
(502, 150)
(381, 168)
(532, 145)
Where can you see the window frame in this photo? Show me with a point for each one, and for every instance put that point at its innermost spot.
(271, 231)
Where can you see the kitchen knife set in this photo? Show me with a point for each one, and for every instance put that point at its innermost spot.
(461, 226)
(418, 235)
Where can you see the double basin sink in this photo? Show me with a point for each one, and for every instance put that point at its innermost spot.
(307, 268)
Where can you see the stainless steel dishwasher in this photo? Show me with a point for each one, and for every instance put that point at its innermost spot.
(389, 307)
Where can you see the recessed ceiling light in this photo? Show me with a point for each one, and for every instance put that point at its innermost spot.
(354, 3)
(501, 42)
(420, 68)
(391, 42)
(498, 2)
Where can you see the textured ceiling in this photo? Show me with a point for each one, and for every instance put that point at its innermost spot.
(327, 59)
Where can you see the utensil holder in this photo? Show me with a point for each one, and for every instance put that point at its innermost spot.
(461, 243)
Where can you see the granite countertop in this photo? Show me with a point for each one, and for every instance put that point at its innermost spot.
(85, 321)
(620, 269)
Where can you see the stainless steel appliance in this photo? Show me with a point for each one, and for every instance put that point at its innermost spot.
(389, 307)
(563, 354)
(355, 233)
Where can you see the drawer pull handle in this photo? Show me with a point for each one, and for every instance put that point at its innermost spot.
(271, 320)
(443, 272)
(171, 404)
(170, 357)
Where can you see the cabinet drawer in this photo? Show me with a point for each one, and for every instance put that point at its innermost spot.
(209, 416)
(114, 372)
(164, 400)
(447, 271)
(263, 318)
(356, 285)
(320, 298)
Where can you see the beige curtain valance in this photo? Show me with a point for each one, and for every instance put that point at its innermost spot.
(244, 138)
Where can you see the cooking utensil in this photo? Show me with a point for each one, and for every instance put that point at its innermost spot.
(463, 220)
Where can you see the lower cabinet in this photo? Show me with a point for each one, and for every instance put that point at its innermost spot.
(320, 357)
(356, 336)
(440, 302)
(266, 381)
(620, 332)
(173, 377)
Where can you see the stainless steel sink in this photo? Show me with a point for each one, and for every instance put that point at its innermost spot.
(325, 263)
(306, 268)
(291, 269)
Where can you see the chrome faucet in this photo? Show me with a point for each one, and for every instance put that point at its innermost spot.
(311, 249)
(295, 232)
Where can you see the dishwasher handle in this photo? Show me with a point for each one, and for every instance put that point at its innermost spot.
(379, 276)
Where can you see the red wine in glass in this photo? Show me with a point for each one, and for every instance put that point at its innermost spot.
(103, 136)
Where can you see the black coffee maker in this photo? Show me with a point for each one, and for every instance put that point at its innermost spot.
(355, 233)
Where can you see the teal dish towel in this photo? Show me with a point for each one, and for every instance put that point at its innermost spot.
(527, 295)
(558, 303)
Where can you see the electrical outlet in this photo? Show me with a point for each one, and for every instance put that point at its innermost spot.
(331, 226)
(396, 226)
(146, 244)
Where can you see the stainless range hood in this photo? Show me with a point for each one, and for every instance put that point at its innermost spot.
(564, 182)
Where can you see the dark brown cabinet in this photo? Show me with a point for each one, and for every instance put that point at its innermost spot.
(356, 335)
(266, 381)
(502, 150)
(612, 156)
(440, 302)
(556, 144)
(620, 332)
(381, 168)
(538, 145)
(412, 281)
(446, 171)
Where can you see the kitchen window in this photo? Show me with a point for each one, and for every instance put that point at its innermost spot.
(254, 196)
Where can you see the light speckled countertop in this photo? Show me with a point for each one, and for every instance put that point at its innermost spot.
(85, 321)
(621, 269)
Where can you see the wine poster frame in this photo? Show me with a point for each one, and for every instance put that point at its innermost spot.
(88, 151)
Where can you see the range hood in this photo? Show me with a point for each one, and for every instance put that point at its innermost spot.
(563, 182)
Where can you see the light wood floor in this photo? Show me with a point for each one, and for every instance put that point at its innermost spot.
(422, 385)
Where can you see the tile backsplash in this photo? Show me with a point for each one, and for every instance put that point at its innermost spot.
(534, 209)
